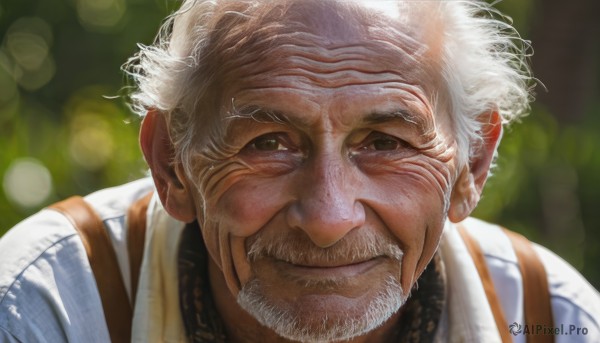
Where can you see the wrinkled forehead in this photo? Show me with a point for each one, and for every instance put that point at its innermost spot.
(261, 37)
(399, 33)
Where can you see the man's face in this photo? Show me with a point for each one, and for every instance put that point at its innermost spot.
(332, 195)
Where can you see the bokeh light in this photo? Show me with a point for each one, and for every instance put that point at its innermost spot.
(28, 41)
(7, 82)
(27, 182)
(91, 144)
(100, 15)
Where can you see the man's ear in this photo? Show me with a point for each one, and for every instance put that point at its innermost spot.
(172, 186)
(469, 184)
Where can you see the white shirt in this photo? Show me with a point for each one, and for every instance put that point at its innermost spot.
(48, 292)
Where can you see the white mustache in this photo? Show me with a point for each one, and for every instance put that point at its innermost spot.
(295, 247)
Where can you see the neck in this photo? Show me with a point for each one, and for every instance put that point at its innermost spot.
(240, 326)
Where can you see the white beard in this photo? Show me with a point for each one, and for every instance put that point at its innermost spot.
(303, 325)
(286, 324)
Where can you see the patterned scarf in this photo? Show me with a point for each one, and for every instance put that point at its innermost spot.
(419, 316)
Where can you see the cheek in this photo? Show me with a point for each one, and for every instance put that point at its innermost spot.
(419, 185)
(238, 212)
(412, 203)
(248, 205)
(240, 197)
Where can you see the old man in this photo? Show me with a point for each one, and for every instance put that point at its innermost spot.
(314, 164)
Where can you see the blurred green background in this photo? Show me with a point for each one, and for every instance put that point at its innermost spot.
(64, 129)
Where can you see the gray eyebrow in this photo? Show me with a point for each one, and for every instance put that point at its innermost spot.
(264, 115)
(254, 112)
(400, 114)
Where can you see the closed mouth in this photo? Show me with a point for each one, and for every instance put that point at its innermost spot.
(329, 269)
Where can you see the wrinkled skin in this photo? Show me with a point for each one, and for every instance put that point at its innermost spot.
(334, 140)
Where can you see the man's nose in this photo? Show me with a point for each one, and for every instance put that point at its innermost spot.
(327, 207)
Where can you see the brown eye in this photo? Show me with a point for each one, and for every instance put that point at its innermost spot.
(381, 142)
(269, 142)
(385, 144)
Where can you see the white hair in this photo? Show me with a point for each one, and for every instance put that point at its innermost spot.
(484, 66)
(486, 69)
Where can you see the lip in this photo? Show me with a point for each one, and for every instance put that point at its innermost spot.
(329, 272)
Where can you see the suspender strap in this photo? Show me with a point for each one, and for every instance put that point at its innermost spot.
(136, 236)
(103, 261)
(488, 284)
(536, 294)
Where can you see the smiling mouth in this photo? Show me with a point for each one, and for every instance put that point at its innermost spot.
(328, 270)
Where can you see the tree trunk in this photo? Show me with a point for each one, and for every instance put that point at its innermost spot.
(566, 41)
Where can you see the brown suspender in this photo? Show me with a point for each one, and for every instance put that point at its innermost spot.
(536, 295)
(103, 260)
(136, 235)
(488, 284)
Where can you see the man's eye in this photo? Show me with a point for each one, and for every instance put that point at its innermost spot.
(269, 142)
(383, 142)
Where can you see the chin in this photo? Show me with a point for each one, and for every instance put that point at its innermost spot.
(322, 317)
